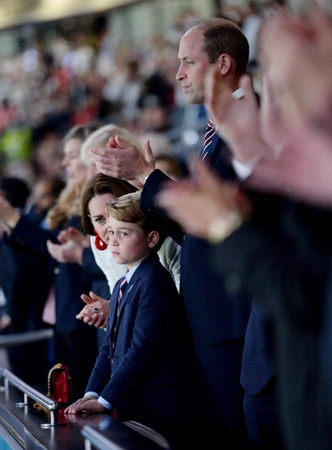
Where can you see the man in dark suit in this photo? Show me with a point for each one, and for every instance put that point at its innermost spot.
(288, 271)
(218, 324)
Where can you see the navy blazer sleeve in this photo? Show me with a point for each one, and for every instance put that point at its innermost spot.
(29, 237)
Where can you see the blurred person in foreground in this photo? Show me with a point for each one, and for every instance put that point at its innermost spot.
(24, 297)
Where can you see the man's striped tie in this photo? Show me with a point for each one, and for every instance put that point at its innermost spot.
(209, 135)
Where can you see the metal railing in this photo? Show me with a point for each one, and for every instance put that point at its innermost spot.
(149, 433)
(94, 439)
(11, 340)
(29, 392)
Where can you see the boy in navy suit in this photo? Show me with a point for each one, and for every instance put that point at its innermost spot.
(145, 369)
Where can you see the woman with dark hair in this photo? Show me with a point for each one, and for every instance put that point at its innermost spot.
(88, 249)
(98, 192)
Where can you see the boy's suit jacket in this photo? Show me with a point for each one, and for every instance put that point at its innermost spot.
(145, 368)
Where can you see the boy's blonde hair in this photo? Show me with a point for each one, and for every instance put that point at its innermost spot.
(127, 209)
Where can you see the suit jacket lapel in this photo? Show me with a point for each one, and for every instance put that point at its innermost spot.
(139, 272)
(126, 294)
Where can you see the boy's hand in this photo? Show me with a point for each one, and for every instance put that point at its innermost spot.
(86, 405)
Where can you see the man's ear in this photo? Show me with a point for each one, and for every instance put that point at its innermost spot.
(225, 63)
(153, 238)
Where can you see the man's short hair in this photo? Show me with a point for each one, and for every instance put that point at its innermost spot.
(224, 36)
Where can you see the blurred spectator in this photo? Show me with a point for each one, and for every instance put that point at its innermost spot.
(9, 114)
(171, 165)
(159, 142)
(153, 115)
(47, 154)
(15, 190)
(123, 89)
(87, 110)
(78, 59)
(24, 297)
(251, 23)
(158, 87)
(43, 197)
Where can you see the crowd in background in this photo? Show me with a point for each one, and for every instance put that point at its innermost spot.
(50, 86)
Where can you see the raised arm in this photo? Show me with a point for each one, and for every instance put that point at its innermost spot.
(120, 159)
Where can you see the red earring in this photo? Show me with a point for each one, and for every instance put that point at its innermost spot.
(99, 243)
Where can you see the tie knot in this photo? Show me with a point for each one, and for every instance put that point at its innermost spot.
(210, 124)
(209, 135)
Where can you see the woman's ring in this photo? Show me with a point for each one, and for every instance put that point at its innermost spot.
(95, 310)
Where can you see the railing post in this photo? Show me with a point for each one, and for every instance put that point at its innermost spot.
(30, 392)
